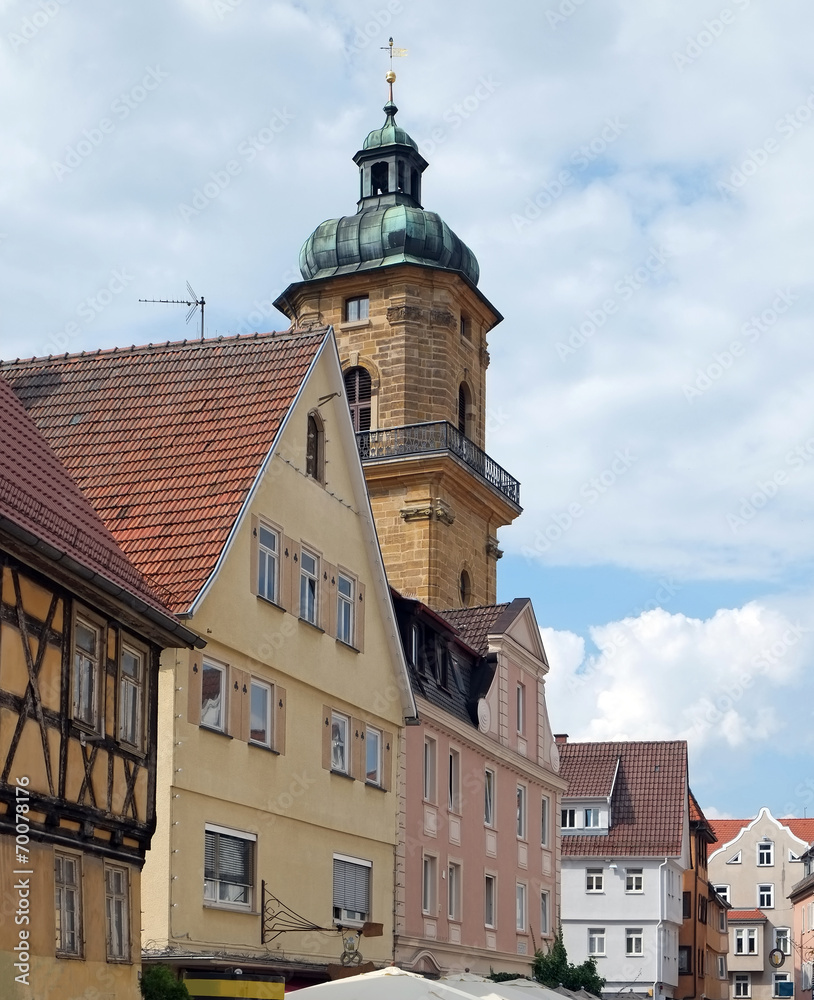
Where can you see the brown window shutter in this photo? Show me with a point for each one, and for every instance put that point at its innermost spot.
(253, 558)
(328, 599)
(358, 759)
(359, 625)
(387, 761)
(327, 713)
(324, 591)
(194, 674)
(236, 682)
(290, 576)
(279, 719)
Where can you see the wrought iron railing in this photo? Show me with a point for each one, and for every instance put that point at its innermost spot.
(423, 439)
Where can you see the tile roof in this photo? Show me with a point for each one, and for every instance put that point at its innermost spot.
(736, 915)
(38, 496)
(697, 816)
(475, 625)
(166, 440)
(726, 830)
(649, 796)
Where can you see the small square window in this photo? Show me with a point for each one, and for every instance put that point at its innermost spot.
(591, 818)
(568, 819)
(213, 696)
(260, 713)
(339, 744)
(345, 591)
(634, 880)
(357, 309)
(594, 880)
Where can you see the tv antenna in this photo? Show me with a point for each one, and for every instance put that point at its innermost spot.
(193, 302)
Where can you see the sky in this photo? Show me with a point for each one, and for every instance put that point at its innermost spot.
(634, 177)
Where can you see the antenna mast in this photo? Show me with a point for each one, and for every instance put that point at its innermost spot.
(194, 305)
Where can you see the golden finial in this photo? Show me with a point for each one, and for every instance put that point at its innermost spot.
(390, 76)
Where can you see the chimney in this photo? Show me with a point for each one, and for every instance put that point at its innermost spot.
(560, 737)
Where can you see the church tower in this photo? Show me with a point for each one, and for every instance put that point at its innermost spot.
(401, 292)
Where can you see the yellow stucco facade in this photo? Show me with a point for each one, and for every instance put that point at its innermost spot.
(281, 786)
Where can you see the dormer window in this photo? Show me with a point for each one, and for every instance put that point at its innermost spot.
(591, 818)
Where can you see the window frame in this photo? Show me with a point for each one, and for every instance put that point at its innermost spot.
(685, 967)
(64, 889)
(256, 682)
(223, 670)
(747, 936)
(454, 781)
(266, 556)
(489, 900)
(370, 733)
(782, 939)
(765, 890)
(594, 880)
(429, 885)
(216, 831)
(591, 814)
(765, 850)
(430, 776)
(545, 912)
(596, 940)
(742, 985)
(139, 689)
(340, 723)
(568, 819)
(520, 708)
(454, 891)
(723, 891)
(358, 304)
(111, 896)
(489, 797)
(721, 966)
(341, 919)
(521, 816)
(634, 881)
(83, 617)
(781, 977)
(545, 820)
(346, 608)
(632, 936)
(521, 907)
(309, 587)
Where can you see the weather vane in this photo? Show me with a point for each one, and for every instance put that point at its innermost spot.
(390, 76)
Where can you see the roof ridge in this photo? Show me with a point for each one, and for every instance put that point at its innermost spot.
(189, 343)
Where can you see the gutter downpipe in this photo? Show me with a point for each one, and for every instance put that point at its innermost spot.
(658, 935)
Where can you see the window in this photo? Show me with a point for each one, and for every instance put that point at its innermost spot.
(723, 892)
(359, 391)
(521, 812)
(596, 941)
(489, 797)
(260, 713)
(634, 880)
(454, 781)
(117, 914)
(429, 769)
(414, 645)
(545, 809)
(687, 905)
(465, 587)
(268, 551)
(520, 906)
(213, 696)
(721, 966)
(465, 327)
(521, 709)
(454, 891)
(351, 889)
(309, 577)
(782, 939)
(782, 986)
(345, 588)
(228, 866)
(594, 880)
(735, 859)
(633, 941)
(489, 886)
(544, 911)
(428, 885)
(68, 904)
(340, 751)
(722, 920)
(765, 896)
(131, 695)
(373, 756)
(359, 308)
(87, 654)
(743, 984)
(591, 818)
(568, 819)
(746, 941)
(765, 854)
(315, 449)
(684, 960)
(463, 400)
(702, 909)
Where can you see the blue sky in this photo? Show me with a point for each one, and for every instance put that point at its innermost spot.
(634, 177)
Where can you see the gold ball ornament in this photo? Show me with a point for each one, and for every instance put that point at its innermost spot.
(390, 76)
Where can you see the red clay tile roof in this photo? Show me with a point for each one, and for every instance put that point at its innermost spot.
(166, 440)
(591, 770)
(697, 816)
(649, 797)
(475, 625)
(735, 915)
(38, 495)
(727, 829)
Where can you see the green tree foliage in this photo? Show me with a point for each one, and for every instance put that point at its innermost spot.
(553, 969)
(158, 982)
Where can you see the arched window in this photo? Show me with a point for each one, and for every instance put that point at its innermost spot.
(464, 398)
(379, 178)
(314, 449)
(466, 589)
(400, 187)
(358, 389)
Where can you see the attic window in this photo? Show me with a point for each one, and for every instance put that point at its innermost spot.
(735, 859)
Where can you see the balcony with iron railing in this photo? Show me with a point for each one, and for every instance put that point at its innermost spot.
(436, 437)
